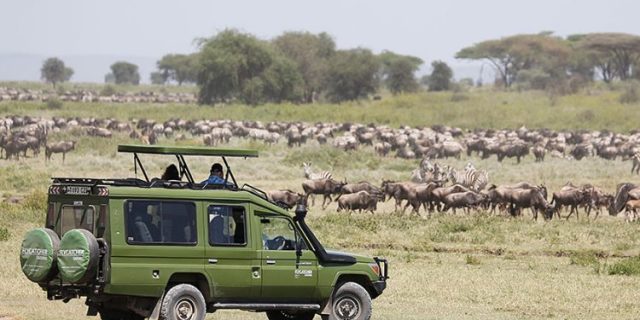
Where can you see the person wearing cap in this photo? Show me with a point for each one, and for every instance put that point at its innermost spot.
(216, 176)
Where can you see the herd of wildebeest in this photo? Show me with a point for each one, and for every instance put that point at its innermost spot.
(432, 186)
(84, 95)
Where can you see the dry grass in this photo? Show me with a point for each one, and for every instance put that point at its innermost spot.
(443, 267)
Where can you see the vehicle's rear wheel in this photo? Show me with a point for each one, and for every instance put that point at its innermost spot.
(112, 314)
(351, 302)
(183, 302)
(290, 315)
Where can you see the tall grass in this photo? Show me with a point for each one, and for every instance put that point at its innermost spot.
(483, 109)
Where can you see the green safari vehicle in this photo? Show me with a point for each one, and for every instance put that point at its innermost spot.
(178, 249)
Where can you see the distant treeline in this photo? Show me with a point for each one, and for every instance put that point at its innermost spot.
(302, 67)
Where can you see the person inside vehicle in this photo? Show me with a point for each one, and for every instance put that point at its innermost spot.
(216, 176)
(171, 173)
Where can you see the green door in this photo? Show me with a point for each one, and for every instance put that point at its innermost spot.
(286, 277)
(231, 261)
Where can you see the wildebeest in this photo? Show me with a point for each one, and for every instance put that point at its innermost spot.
(631, 210)
(286, 198)
(441, 192)
(529, 198)
(325, 187)
(59, 147)
(400, 191)
(464, 200)
(361, 200)
(572, 197)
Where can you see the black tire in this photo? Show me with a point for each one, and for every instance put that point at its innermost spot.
(290, 315)
(112, 314)
(183, 302)
(351, 302)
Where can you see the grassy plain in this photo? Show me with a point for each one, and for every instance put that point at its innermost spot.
(443, 267)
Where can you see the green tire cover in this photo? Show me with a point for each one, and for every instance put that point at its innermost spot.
(38, 254)
(78, 256)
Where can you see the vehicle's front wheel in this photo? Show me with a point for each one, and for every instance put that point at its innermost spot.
(183, 302)
(351, 302)
(290, 315)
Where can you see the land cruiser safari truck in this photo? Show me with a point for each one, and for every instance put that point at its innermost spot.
(140, 247)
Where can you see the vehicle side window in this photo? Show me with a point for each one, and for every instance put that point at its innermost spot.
(76, 217)
(160, 222)
(227, 226)
(279, 234)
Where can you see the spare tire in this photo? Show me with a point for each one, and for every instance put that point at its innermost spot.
(78, 256)
(38, 254)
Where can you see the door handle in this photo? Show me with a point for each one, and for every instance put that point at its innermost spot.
(213, 261)
(271, 262)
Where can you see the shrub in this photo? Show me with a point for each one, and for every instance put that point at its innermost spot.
(583, 258)
(4, 234)
(627, 267)
(108, 90)
(471, 260)
(54, 104)
(630, 93)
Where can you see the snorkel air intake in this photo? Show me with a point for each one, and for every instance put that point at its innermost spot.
(321, 253)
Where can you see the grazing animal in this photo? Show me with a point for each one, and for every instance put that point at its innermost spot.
(635, 161)
(464, 200)
(529, 198)
(471, 178)
(438, 194)
(571, 197)
(401, 191)
(286, 198)
(309, 174)
(59, 147)
(325, 187)
(631, 210)
(361, 200)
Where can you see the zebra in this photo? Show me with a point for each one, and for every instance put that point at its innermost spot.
(635, 162)
(314, 175)
(471, 178)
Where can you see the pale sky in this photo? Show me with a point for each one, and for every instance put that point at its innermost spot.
(427, 29)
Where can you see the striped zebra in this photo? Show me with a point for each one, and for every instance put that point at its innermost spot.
(473, 179)
(635, 162)
(314, 175)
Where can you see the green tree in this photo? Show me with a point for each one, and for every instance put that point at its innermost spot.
(352, 75)
(54, 71)
(398, 72)
(311, 54)
(238, 65)
(157, 78)
(613, 54)
(125, 73)
(441, 76)
(178, 67)
(519, 52)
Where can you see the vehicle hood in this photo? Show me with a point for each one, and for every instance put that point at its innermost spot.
(359, 258)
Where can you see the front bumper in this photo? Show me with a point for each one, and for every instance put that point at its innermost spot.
(379, 286)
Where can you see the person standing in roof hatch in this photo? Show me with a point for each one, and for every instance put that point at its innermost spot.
(216, 176)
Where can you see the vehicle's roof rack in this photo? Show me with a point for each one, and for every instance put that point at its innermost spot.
(187, 151)
(170, 184)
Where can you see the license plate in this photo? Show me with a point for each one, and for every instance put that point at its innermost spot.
(76, 190)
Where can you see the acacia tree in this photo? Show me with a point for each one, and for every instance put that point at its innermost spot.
(613, 54)
(178, 67)
(54, 71)
(311, 54)
(124, 72)
(398, 72)
(519, 52)
(352, 75)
